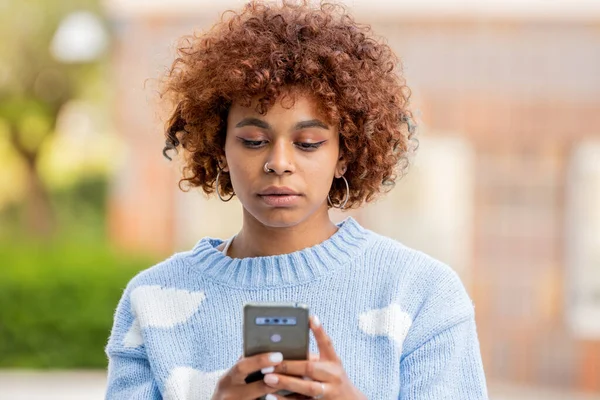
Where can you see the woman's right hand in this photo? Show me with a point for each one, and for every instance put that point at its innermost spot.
(233, 385)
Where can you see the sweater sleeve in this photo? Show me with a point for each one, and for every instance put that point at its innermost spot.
(443, 359)
(129, 372)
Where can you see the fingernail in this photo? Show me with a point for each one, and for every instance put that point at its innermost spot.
(276, 357)
(267, 370)
(316, 321)
(270, 397)
(271, 379)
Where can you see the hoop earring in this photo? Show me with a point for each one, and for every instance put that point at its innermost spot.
(217, 190)
(341, 206)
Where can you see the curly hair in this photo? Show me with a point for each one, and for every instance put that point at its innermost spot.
(256, 53)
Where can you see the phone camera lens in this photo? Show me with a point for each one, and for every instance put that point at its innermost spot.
(276, 338)
(276, 320)
(285, 321)
(267, 320)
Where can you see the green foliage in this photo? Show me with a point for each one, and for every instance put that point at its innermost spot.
(80, 210)
(57, 301)
(58, 296)
(35, 85)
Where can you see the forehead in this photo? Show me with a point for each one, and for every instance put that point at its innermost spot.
(292, 103)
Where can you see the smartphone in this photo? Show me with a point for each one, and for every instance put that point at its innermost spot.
(276, 327)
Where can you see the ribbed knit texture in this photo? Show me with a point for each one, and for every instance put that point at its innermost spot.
(400, 321)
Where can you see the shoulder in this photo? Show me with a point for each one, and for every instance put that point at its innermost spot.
(422, 283)
(162, 294)
(429, 291)
(410, 265)
(154, 297)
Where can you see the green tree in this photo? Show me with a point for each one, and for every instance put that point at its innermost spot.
(33, 88)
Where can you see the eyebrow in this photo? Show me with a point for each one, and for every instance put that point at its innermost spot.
(253, 122)
(311, 123)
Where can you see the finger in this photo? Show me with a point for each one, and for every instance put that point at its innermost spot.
(311, 357)
(316, 370)
(324, 343)
(293, 384)
(251, 364)
(252, 390)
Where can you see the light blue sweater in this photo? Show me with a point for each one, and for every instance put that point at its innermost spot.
(401, 321)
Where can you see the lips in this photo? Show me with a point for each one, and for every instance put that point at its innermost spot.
(279, 196)
(278, 191)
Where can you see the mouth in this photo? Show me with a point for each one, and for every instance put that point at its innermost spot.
(280, 197)
(278, 191)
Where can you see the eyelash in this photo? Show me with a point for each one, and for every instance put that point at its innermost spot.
(256, 144)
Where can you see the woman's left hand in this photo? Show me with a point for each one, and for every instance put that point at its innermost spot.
(329, 380)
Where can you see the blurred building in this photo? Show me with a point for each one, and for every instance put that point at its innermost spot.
(505, 188)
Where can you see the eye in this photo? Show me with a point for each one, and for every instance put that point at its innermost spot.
(309, 146)
(253, 144)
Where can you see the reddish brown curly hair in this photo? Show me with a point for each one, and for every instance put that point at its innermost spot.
(265, 48)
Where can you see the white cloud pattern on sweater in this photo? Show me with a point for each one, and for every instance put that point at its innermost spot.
(390, 321)
(133, 337)
(159, 307)
(186, 383)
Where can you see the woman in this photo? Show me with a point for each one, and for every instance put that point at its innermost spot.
(294, 110)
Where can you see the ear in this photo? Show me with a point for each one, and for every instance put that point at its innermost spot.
(340, 168)
(222, 162)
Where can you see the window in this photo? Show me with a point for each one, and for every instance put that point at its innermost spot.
(431, 208)
(583, 241)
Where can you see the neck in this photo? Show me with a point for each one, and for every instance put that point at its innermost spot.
(257, 240)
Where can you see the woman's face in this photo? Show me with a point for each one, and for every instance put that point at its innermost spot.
(302, 152)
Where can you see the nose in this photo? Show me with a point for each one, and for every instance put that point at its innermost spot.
(281, 158)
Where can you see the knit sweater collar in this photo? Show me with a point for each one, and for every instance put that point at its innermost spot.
(290, 269)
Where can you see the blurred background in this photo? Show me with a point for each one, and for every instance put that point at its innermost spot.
(505, 187)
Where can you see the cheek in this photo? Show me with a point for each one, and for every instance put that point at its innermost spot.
(241, 175)
(237, 169)
(319, 176)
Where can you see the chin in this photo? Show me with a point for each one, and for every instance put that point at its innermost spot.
(280, 218)
(283, 217)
